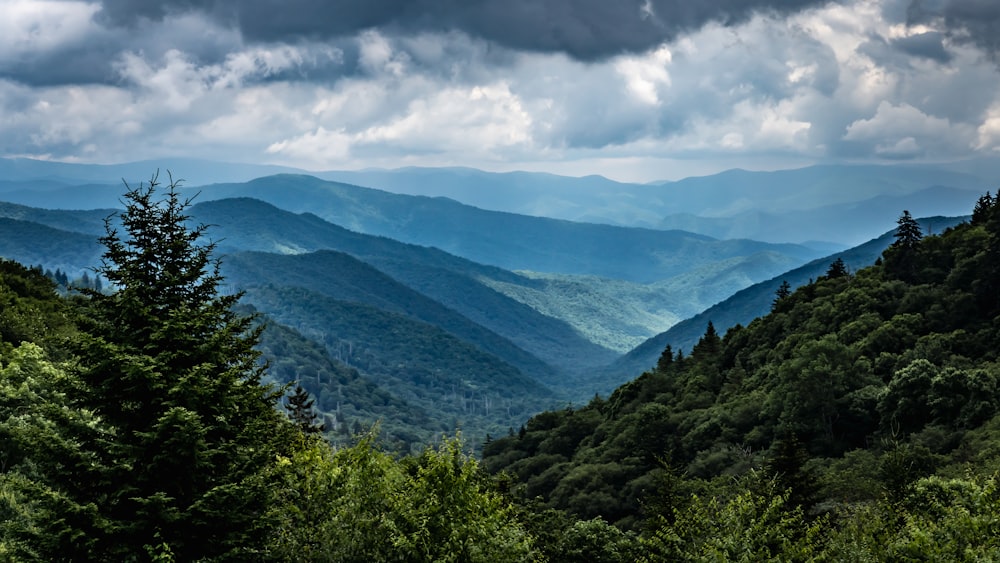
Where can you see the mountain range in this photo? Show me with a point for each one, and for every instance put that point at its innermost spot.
(450, 312)
(816, 204)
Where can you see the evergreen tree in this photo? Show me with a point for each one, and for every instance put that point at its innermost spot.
(837, 269)
(709, 346)
(901, 256)
(783, 291)
(787, 464)
(173, 370)
(984, 209)
(300, 411)
(666, 359)
(908, 232)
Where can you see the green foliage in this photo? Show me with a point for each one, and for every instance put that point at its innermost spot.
(456, 385)
(854, 390)
(171, 369)
(300, 410)
(940, 519)
(30, 310)
(359, 504)
(50, 458)
(754, 524)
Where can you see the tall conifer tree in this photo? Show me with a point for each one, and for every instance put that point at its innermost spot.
(173, 370)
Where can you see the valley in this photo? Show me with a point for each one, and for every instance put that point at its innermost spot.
(452, 316)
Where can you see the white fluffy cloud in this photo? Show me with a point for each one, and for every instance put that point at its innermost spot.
(843, 80)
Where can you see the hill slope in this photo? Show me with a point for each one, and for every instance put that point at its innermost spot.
(509, 241)
(851, 389)
(752, 302)
(457, 283)
(458, 385)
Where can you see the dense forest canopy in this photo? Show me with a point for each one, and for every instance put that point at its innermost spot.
(859, 420)
(849, 392)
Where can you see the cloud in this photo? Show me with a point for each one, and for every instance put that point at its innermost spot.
(851, 79)
(965, 21)
(903, 131)
(583, 29)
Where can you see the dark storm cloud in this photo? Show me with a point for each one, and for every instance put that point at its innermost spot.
(928, 45)
(900, 52)
(973, 21)
(584, 29)
(69, 66)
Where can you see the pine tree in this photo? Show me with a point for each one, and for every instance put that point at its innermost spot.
(173, 370)
(901, 258)
(783, 291)
(908, 232)
(709, 346)
(837, 269)
(666, 359)
(300, 411)
(787, 464)
(984, 209)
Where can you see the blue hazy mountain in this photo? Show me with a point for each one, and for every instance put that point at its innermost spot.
(758, 205)
(576, 322)
(22, 173)
(457, 283)
(506, 240)
(816, 202)
(852, 222)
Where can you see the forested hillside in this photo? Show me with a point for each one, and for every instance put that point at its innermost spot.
(868, 394)
(506, 240)
(458, 385)
(136, 425)
(858, 420)
(295, 250)
(747, 304)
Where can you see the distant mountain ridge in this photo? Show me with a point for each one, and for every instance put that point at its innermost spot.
(509, 241)
(795, 205)
(829, 222)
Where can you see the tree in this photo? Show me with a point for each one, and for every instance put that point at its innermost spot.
(984, 209)
(901, 256)
(783, 291)
(708, 347)
(908, 232)
(300, 411)
(48, 459)
(666, 359)
(360, 504)
(172, 369)
(837, 269)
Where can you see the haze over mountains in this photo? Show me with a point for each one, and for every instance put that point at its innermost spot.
(841, 204)
(500, 271)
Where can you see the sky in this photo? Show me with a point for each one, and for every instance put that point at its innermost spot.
(636, 90)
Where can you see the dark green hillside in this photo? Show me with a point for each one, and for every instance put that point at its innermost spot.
(31, 311)
(31, 243)
(852, 388)
(344, 398)
(345, 278)
(87, 222)
(513, 242)
(248, 224)
(457, 384)
(754, 301)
